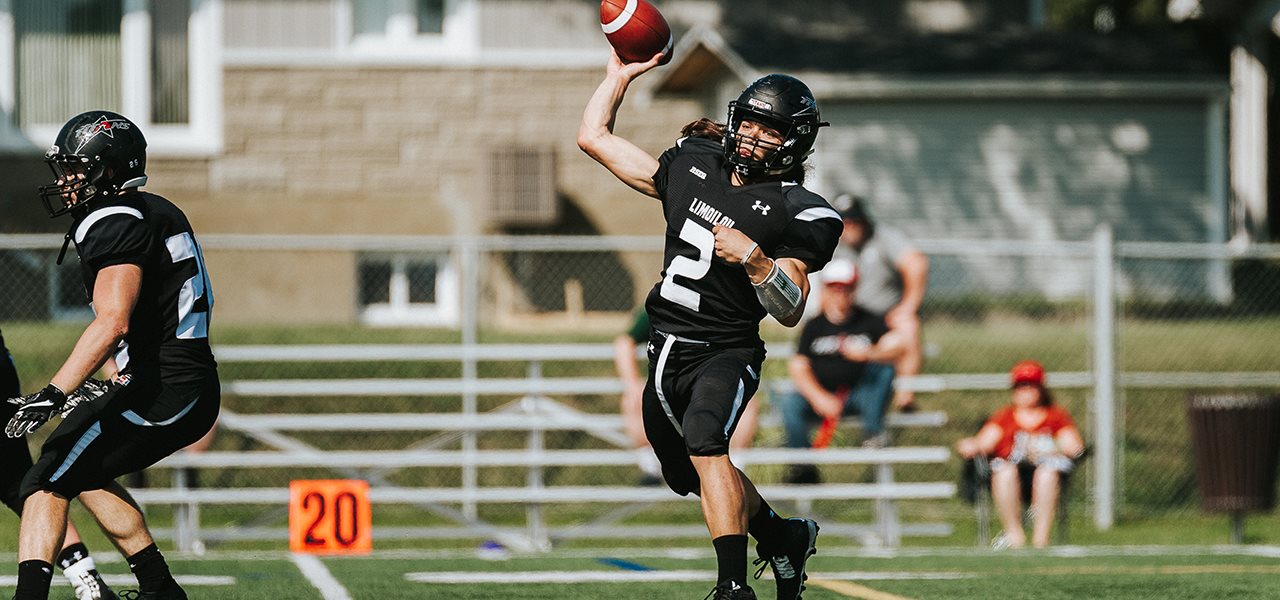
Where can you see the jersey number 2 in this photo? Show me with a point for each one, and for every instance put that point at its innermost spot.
(193, 314)
(704, 242)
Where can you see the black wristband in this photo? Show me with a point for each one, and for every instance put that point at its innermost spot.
(53, 393)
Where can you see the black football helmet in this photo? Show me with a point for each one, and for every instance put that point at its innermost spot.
(781, 102)
(96, 154)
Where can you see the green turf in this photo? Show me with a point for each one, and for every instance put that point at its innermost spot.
(1101, 573)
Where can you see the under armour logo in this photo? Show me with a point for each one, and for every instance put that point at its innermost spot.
(763, 208)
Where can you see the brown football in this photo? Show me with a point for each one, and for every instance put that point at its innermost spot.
(636, 30)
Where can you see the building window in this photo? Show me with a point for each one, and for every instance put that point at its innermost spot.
(68, 58)
(408, 290)
(399, 20)
(430, 15)
(154, 62)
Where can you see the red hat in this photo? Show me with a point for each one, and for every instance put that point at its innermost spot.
(1027, 371)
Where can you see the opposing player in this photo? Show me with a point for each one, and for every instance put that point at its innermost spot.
(144, 274)
(742, 234)
(15, 458)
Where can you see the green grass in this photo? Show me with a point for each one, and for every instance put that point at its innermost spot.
(836, 573)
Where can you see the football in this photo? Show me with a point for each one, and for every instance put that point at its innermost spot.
(636, 30)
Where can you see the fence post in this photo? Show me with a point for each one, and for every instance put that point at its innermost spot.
(470, 260)
(1104, 377)
(539, 537)
(186, 516)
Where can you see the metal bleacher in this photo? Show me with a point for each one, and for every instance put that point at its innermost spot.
(532, 412)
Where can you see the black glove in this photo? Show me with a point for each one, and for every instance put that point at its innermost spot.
(34, 411)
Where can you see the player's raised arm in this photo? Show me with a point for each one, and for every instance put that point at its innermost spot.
(625, 160)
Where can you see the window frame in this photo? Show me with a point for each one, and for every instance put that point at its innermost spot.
(202, 136)
(400, 35)
(399, 310)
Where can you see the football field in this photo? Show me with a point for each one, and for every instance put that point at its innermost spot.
(1166, 573)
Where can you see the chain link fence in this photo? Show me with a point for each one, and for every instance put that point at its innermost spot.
(1186, 317)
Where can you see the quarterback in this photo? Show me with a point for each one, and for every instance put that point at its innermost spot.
(742, 235)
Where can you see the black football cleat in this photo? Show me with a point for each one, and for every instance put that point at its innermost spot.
(788, 558)
(172, 591)
(731, 590)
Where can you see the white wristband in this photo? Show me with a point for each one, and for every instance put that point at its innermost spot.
(746, 257)
(780, 296)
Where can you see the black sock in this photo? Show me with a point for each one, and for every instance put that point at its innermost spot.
(71, 555)
(731, 558)
(149, 567)
(34, 577)
(766, 526)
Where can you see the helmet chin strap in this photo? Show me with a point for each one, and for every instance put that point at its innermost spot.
(66, 241)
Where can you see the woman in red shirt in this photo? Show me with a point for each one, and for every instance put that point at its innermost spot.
(1033, 431)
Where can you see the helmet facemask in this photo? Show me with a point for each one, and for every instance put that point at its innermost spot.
(76, 181)
(741, 150)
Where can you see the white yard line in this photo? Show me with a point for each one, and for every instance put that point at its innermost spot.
(128, 581)
(320, 577)
(645, 576)
(692, 553)
(559, 576)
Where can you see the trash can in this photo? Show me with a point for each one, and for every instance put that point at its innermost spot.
(1236, 438)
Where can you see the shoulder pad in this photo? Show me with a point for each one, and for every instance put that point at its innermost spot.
(92, 218)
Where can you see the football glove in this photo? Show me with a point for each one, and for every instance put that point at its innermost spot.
(88, 391)
(34, 410)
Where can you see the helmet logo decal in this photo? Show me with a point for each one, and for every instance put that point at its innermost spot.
(760, 104)
(103, 126)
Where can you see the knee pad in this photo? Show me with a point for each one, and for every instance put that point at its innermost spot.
(704, 434)
(682, 479)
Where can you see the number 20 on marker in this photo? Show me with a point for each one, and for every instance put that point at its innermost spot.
(330, 516)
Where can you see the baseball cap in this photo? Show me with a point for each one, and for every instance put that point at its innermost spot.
(850, 208)
(839, 272)
(1027, 371)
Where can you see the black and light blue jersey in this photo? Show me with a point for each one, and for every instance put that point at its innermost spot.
(169, 327)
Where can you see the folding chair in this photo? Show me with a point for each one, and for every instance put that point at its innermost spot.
(975, 488)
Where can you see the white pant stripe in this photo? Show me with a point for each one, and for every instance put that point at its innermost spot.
(737, 406)
(657, 382)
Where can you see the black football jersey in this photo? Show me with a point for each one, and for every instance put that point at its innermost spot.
(169, 328)
(821, 342)
(700, 296)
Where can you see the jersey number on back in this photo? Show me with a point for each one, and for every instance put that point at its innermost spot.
(704, 242)
(196, 297)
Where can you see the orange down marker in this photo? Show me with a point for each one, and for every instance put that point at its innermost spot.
(330, 516)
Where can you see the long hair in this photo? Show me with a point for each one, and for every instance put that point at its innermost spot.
(711, 130)
(704, 128)
(1046, 396)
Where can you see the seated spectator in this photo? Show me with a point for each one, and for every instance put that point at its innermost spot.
(895, 274)
(624, 360)
(1030, 431)
(842, 366)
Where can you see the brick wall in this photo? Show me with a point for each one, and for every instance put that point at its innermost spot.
(389, 150)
